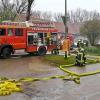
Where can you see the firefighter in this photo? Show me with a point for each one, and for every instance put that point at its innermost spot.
(66, 46)
(78, 43)
(80, 57)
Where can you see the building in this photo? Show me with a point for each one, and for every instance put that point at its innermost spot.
(73, 28)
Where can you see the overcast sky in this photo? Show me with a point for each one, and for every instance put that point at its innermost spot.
(58, 5)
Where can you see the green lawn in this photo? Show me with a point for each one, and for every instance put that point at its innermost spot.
(59, 60)
(93, 51)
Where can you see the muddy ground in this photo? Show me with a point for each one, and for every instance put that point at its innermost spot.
(55, 89)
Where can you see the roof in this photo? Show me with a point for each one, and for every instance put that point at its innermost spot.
(72, 27)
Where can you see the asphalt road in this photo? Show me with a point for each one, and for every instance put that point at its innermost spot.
(55, 89)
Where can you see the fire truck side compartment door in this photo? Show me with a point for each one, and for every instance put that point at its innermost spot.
(32, 41)
(20, 38)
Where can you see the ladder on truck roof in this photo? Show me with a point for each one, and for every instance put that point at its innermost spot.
(36, 23)
(19, 24)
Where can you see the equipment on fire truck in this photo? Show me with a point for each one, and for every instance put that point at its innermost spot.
(35, 23)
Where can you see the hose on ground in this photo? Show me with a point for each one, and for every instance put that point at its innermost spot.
(8, 86)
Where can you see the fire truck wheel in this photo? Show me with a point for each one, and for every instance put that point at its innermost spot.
(42, 51)
(6, 53)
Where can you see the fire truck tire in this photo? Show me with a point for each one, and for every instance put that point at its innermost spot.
(6, 53)
(42, 51)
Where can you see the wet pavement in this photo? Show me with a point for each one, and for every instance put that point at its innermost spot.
(55, 89)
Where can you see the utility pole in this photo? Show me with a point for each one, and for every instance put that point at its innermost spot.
(66, 28)
(65, 19)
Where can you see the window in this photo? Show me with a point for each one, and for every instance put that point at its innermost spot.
(40, 36)
(18, 32)
(2, 32)
(54, 38)
(10, 32)
(45, 34)
(30, 39)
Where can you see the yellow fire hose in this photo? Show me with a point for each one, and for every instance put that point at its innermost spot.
(9, 86)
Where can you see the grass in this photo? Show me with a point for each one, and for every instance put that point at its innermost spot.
(59, 60)
(93, 51)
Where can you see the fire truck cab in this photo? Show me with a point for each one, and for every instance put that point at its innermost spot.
(36, 37)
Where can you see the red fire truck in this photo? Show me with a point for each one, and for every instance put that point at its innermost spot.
(35, 37)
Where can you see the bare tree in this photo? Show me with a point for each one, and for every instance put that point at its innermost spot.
(9, 11)
(20, 6)
(30, 2)
(17, 7)
(80, 15)
(94, 15)
(47, 16)
(6, 10)
(37, 14)
(43, 15)
(76, 16)
(58, 17)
